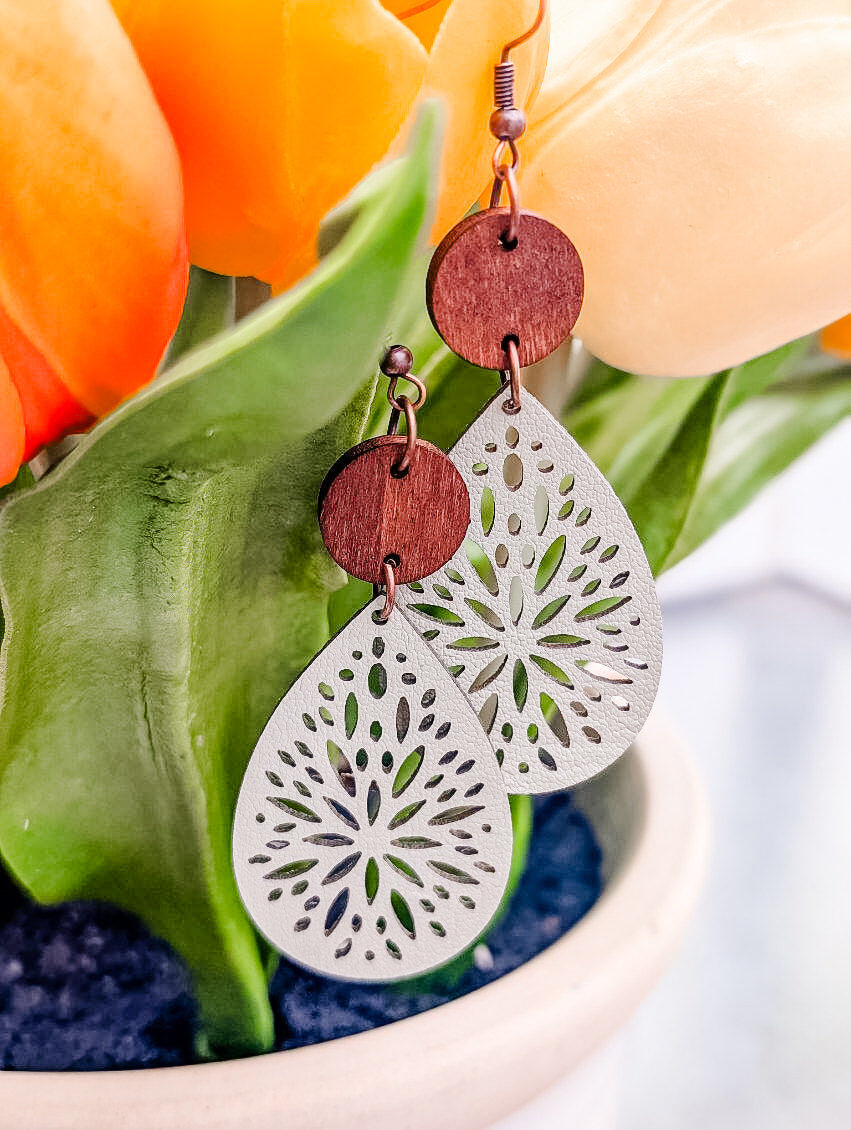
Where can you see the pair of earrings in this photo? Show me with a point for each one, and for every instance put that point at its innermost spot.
(513, 646)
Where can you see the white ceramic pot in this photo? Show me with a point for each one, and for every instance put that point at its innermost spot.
(469, 1063)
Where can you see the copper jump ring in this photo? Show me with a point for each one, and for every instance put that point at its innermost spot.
(396, 402)
(389, 578)
(505, 175)
(511, 377)
(403, 465)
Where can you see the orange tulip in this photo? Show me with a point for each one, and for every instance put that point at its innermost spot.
(92, 256)
(279, 107)
(836, 338)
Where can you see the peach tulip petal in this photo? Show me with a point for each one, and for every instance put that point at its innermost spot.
(704, 179)
(278, 108)
(584, 40)
(92, 267)
(12, 432)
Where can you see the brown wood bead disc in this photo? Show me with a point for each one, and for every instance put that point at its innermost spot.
(366, 514)
(479, 292)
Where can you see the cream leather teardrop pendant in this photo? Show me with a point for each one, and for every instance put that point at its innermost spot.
(372, 835)
(547, 616)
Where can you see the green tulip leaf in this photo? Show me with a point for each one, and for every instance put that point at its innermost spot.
(753, 445)
(655, 440)
(164, 585)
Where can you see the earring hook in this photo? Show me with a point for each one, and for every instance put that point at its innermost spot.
(539, 19)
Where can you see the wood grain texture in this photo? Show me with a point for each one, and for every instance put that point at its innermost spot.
(365, 513)
(479, 292)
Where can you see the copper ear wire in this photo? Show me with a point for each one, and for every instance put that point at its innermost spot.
(539, 19)
(507, 124)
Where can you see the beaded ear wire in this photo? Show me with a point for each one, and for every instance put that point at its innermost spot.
(547, 616)
(372, 835)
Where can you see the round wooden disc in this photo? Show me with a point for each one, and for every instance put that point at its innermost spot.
(365, 513)
(479, 293)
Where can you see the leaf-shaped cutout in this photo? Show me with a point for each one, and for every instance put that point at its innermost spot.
(520, 684)
(327, 839)
(516, 599)
(487, 510)
(377, 680)
(566, 484)
(550, 611)
(451, 815)
(408, 770)
(290, 870)
(474, 643)
(371, 881)
(542, 509)
(563, 640)
(601, 607)
(547, 760)
(486, 613)
(351, 714)
(481, 563)
(448, 871)
(373, 802)
(512, 471)
(403, 913)
(295, 808)
(415, 842)
(487, 714)
(553, 670)
(550, 563)
(404, 869)
(342, 767)
(488, 673)
(405, 814)
(336, 911)
(602, 672)
(340, 870)
(403, 719)
(274, 779)
(438, 613)
(342, 812)
(566, 510)
(554, 719)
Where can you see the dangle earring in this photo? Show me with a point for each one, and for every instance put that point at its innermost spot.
(372, 834)
(547, 615)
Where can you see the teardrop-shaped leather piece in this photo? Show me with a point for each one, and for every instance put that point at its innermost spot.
(372, 835)
(547, 616)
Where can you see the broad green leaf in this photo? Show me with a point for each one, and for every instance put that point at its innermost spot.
(163, 586)
(752, 446)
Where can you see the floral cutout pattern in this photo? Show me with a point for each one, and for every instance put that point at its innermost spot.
(372, 838)
(547, 616)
